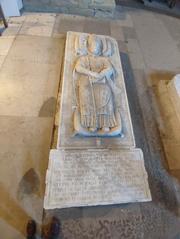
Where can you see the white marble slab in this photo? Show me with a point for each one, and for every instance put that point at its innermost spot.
(95, 177)
(94, 164)
(66, 135)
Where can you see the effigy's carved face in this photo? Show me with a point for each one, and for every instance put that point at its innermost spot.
(94, 45)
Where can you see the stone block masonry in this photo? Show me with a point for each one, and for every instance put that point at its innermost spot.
(77, 7)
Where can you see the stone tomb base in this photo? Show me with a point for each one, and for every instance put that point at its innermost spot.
(95, 177)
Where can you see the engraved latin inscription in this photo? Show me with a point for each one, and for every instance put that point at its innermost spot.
(96, 177)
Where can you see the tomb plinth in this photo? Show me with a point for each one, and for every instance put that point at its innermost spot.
(174, 93)
(96, 161)
(169, 125)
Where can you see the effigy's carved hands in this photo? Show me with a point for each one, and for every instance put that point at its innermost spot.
(95, 77)
(107, 72)
(94, 74)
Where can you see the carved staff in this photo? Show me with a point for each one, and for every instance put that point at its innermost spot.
(92, 92)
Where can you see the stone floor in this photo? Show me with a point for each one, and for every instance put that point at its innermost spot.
(31, 52)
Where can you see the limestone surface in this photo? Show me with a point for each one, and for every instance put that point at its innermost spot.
(94, 100)
(95, 177)
(174, 92)
(96, 162)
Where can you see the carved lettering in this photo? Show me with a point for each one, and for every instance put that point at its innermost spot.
(97, 177)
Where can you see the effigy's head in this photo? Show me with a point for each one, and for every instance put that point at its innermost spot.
(94, 45)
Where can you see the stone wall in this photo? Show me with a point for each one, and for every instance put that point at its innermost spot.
(80, 7)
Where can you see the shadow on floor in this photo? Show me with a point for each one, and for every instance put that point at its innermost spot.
(48, 108)
(160, 181)
(11, 211)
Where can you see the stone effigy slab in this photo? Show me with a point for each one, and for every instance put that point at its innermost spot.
(95, 177)
(79, 60)
(96, 162)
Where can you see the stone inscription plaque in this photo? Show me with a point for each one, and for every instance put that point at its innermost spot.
(95, 177)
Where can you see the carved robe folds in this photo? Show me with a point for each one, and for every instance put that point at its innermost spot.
(96, 101)
(98, 112)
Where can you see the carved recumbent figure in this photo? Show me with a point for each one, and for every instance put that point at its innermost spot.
(97, 111)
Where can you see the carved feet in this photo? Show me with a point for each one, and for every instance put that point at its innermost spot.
(104, 129)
